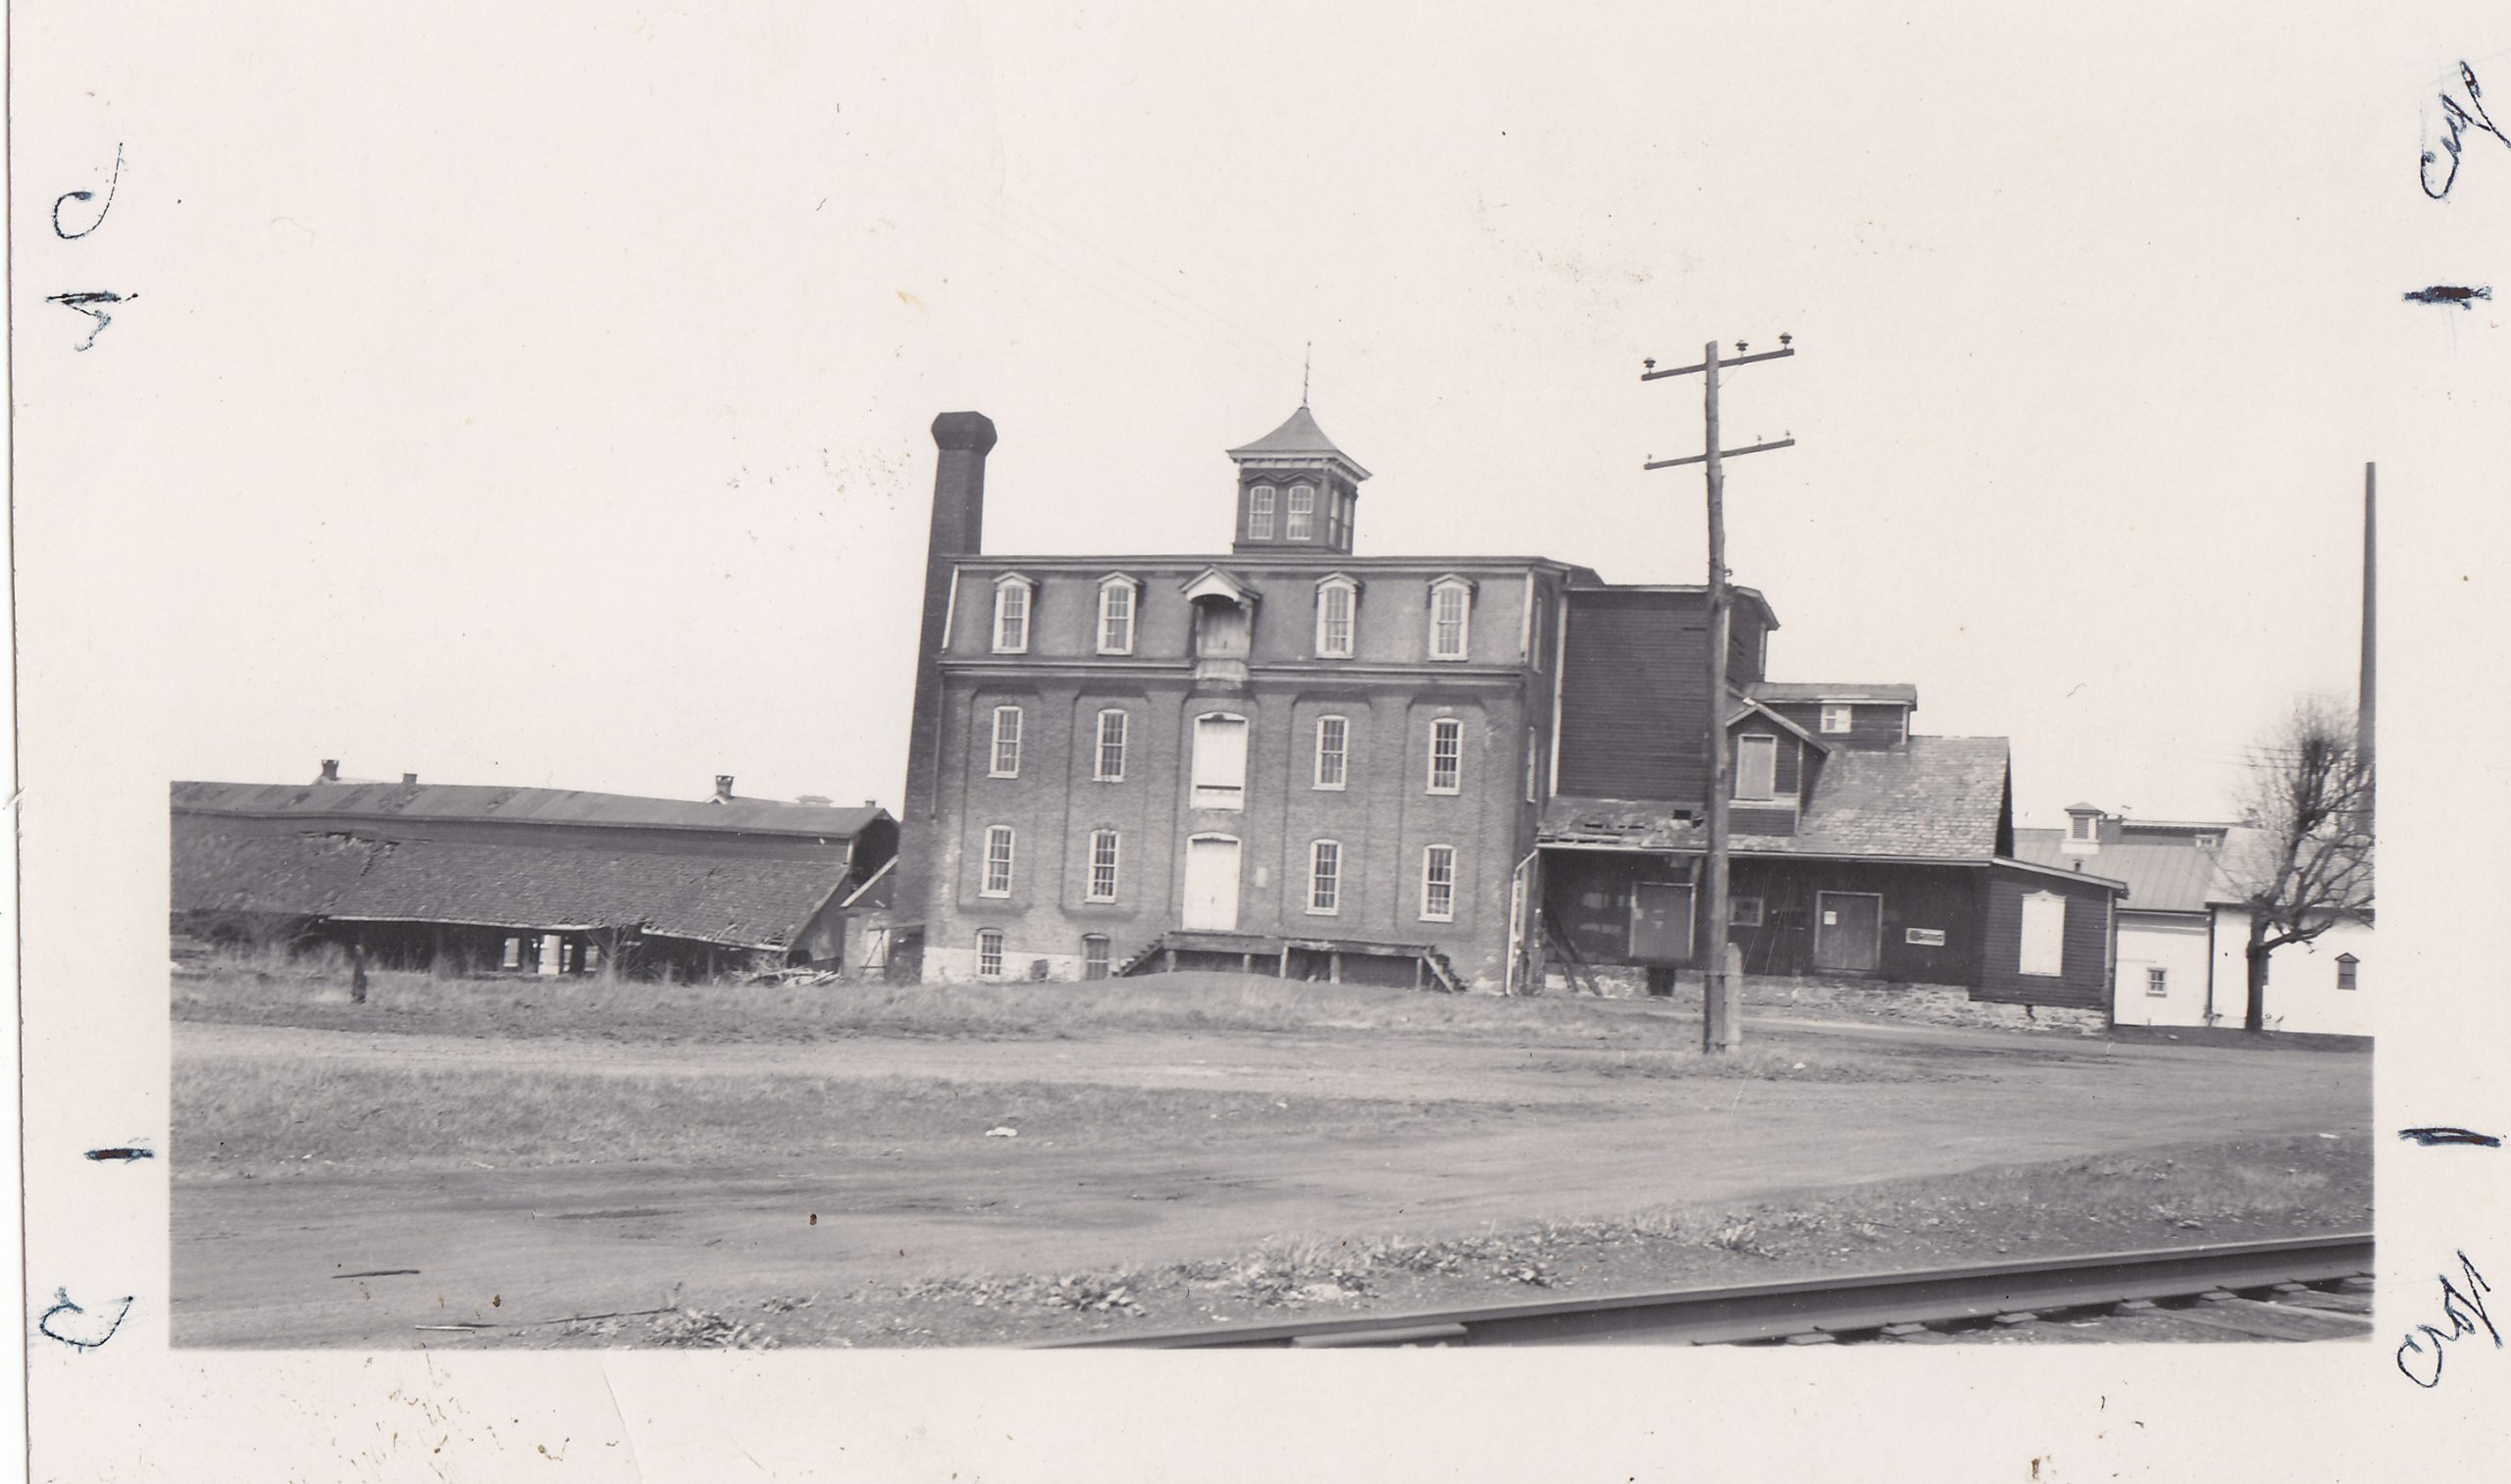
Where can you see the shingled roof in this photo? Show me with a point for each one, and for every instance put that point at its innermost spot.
(1936, 799)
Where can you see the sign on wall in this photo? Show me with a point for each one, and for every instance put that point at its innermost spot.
(1933, 937)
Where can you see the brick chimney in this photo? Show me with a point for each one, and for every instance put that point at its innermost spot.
(409, 780)
(723, 789)
(330, 771)
(963, 439)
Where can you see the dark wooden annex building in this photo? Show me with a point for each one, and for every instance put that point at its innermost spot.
(541, 880)
(1860, 850)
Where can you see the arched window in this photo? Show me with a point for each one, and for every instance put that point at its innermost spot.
(1013, 597)
(1450, 616)
(1338, 604)
(1119, 599)
(1298, 523)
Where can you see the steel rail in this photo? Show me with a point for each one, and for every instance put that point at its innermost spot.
(1822, 1306)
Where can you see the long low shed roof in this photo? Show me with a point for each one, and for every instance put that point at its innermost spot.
(732, 901)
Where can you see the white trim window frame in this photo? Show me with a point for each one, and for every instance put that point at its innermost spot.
(1004, 761)
(1447, 755)
(1299, 514)
(1259, 513)
(1096, 956)
(1333, 752)
(989, 953)
(1766, 745)
(1325, 878)
(1338, 617)
(2157, 981)
(1450, 618)
(1839, 716)
(1109, 764)
(1002, 843)
(1107, 852)
(1438, 884)
(1119, 613)
(1744, 911)
(1015, 603)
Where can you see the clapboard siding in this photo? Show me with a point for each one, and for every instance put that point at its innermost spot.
(1634, 698)
(2084, 982)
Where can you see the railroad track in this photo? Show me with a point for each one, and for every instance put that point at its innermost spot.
(2297, 1289)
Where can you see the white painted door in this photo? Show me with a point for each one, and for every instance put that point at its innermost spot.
(1211, 884)
(2044, 934)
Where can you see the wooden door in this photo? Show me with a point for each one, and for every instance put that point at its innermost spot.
(1661, 922)
(1211, 884)
(1848, 932)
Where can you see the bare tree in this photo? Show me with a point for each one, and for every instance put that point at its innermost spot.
(2307, 863)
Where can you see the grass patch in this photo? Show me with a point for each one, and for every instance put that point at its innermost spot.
(261, 1114)
(725, 1011)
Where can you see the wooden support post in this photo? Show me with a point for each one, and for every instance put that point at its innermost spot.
(1334, 966)
(1284, 972)
(1247, 963)
(1168, 959)
(357, 967)
(1420, 969)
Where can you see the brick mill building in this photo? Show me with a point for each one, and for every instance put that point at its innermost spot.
(1478, 772)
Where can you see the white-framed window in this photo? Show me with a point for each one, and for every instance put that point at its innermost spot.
(1451, 614)
(1756, 767)
(1118, 598)
(1104, 848)
(1012, 598)
(1837, 716)
(1111, 766)
(1298, 519)
(2044, 935)
(1094, 955)
(1446, 754)
(1438, 884)
(1333, 752)
(1259, 513)
(2083, 826)
(1337, 602)
(1005, 759)
(1534, 759)
(1219, 771)
(2157, 981)
(1325, 876)
(989, 953)
(1743, 911)
(1337, 521)
(997, 861)
(2349, 972)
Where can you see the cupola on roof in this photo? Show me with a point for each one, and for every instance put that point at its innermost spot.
(1299, 438)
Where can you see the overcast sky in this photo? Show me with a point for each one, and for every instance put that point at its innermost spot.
(540, 397)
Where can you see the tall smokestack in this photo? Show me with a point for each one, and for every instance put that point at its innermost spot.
(963, 439)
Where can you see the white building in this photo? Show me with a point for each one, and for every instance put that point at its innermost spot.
(2184, 935)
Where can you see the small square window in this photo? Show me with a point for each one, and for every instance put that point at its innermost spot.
(1838, 717)
(1744, 911)
(2157, 982)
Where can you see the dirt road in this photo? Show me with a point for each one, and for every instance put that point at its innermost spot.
(1549, 1132)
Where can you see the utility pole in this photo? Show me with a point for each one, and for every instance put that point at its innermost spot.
(1720, 1027)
